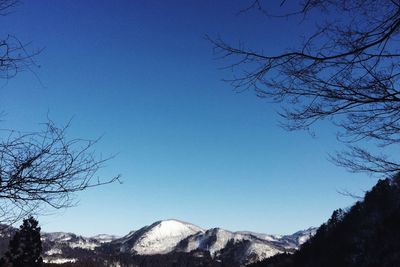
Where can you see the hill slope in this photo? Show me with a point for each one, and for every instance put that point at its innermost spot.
(366, 235)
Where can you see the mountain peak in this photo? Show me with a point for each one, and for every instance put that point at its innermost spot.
(173, 222)
(160, 237)
(172, 235)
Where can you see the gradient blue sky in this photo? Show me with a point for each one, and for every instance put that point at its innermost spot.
(141, 74)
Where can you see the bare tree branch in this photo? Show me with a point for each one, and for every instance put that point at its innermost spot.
(39, 169)
(45, 168)
(347, 71)
(14, 56)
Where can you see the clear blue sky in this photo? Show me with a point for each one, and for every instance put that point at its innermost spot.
(141, 74)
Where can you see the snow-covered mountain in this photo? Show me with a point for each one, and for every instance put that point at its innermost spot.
(159, 238)
(176, 236)
(170, 236)
(297, 239)
(61, 239)
(246, 247)
(59, 246)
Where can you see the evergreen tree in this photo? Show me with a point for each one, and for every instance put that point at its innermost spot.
(26, 247)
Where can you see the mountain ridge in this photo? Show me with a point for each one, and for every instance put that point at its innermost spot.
(176, 236)
(168, 237)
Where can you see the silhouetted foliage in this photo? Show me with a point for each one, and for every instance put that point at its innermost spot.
(25, 247)
(367, 235)
(347, 70)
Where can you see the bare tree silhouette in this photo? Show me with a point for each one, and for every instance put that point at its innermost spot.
(44, 168)
(347, 71)
(14, 55)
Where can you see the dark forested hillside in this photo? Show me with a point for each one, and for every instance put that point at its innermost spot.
(366, 235)
(175, 259)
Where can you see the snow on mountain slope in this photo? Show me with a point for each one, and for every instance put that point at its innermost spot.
(248, 251)
(59, 260)
(212, 240)
(159, 238)
(58, 246)
(302, 236)
(297, 239)
(104, 238)
(58, 236)
(60, 239)
(258, 251)
(267, 237)
(244, 247)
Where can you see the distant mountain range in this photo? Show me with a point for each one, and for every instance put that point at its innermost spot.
(166, 238)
